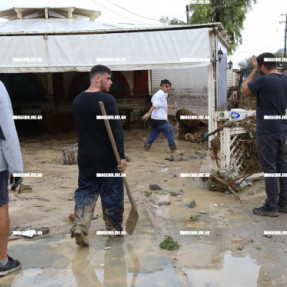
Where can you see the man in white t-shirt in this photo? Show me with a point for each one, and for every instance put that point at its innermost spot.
(158, 113)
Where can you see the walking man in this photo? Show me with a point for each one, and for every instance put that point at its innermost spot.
(271, 130)
(96, 157)
(10, 162)
(158, 113)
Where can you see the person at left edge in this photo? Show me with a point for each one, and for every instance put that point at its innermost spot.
(10, 162)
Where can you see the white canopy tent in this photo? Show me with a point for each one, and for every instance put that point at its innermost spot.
(121, 49)
(56, 44)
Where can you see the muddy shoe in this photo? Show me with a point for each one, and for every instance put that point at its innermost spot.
(282, 206)
(81, 238)
(283, 209)
(263, 211)
(11, 266)
(147, 146)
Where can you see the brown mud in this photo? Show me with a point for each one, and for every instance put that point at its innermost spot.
(235, 253)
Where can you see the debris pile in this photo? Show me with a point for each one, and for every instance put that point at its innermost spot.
(191, 129)
(246, 143)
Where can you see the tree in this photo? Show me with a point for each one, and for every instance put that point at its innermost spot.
(174, 21)
(246, 66)
(231, 13)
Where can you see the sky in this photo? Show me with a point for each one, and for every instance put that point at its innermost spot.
(262, 30)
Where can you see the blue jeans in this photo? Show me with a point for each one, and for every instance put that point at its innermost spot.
(4, 195)
(111, 191)
(271, 151)
(164, 128)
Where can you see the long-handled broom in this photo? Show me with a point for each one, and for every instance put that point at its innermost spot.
(133, 215)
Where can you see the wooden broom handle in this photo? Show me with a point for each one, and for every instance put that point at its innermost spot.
(114, 146)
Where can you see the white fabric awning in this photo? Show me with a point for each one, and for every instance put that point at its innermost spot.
(119, 50)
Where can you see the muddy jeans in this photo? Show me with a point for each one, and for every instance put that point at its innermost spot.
(271, 151)
(161, 126)
(111, 191)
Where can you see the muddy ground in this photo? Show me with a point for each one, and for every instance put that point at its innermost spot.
(235, 253)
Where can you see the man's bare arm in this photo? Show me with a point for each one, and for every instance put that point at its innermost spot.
(147, 115)
(244, 89)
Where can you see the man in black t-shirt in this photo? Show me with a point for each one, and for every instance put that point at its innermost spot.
(99, 173)
(271, 130)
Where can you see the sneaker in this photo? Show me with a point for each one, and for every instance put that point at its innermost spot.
(80, 237)
(282, 207)
(263, 211)
(147, 146)
(11, 266)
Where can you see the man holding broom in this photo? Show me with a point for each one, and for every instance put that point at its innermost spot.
(99, 173)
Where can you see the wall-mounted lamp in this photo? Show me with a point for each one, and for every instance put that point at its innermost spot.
(220, 55)
(230, 65)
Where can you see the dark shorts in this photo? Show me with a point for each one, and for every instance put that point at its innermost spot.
(4, 196)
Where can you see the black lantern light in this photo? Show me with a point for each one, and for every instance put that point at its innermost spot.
(220, 55)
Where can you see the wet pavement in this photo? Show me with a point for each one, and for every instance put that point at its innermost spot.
(235, 253)
(134, 261)
(130, 261)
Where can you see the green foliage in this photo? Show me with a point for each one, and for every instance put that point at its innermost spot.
(229, 12)
(169, 244)
(174, 21)
(195, 218)
(246, 66)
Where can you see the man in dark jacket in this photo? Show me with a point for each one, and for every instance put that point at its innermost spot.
(96, 157)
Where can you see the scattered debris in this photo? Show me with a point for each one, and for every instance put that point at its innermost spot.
(191, 129)
(25, 188)
(175, 193)
(198, 155)
(71, 217)
(194, 218)
(191, 204)
(30, 231)
(202, 212)
(176, 156)
(70, 154)
(268, 235)
(163, 203)
(223, 179)
(154, 187)
(154, 206)
(169, 244)
(147, 193)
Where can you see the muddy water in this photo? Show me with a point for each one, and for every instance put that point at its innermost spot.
(211, 260)
(129, 261)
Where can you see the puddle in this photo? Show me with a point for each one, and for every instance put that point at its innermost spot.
(130, 261)
(211, 268)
